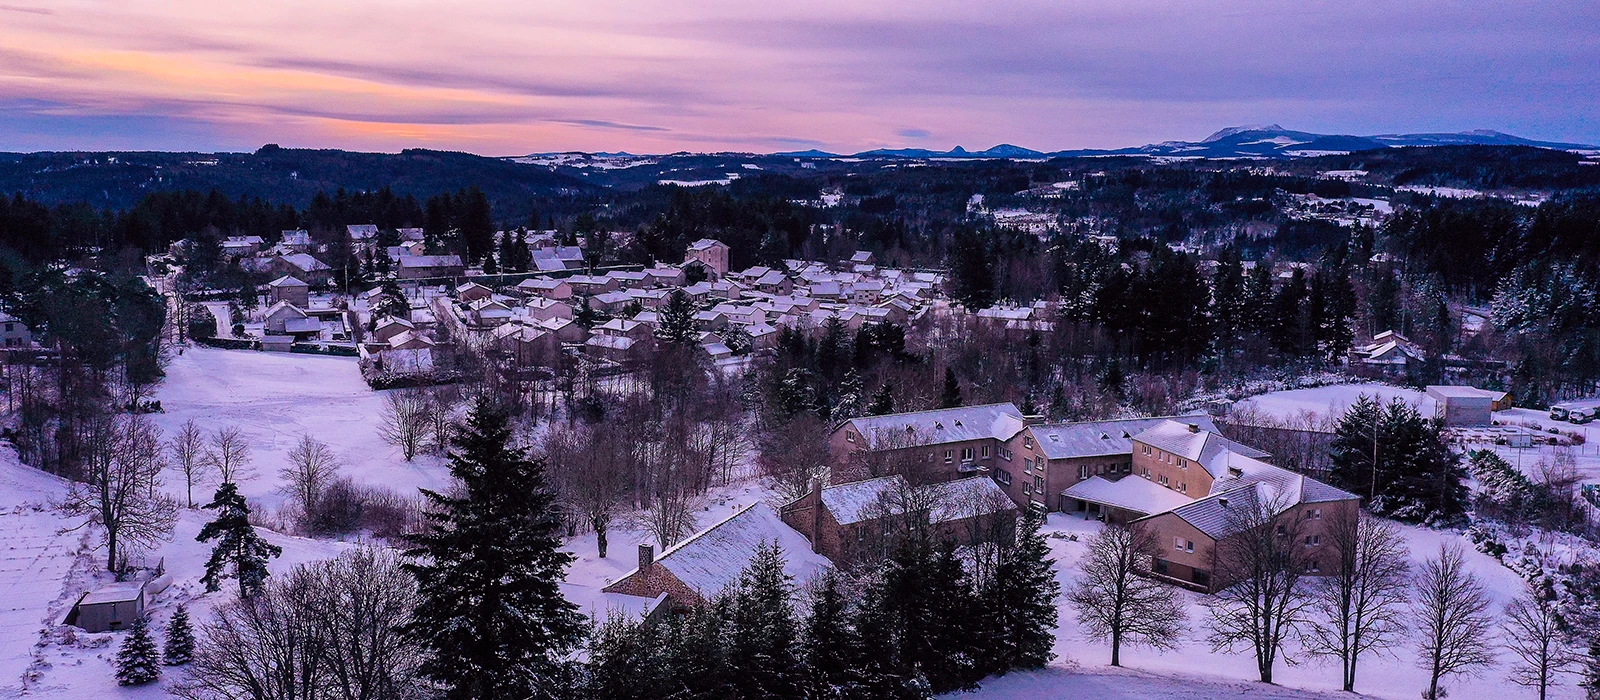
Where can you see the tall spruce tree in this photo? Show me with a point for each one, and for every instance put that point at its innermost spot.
(831, 648)
(677, 319)
(1398, 460)
(764, 637)
(1023, 598)
(238, 546)
(950, 396)
(627, 660)
(882, 402)
(179, 647)
(138, 661)
(491, 617)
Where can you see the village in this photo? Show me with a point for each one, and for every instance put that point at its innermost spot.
(312, 361)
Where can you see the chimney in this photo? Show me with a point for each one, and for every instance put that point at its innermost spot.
(647, 556)
(1194, 427)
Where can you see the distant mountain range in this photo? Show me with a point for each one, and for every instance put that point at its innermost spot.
(1250, 141)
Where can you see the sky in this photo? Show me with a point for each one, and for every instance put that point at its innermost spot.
(510, 77)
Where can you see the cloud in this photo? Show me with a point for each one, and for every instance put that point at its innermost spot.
(506, 76)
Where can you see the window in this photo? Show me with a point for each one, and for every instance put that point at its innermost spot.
(1282, 531)
(1163, 479)
(949, 456)
(1182, 464)
(1182, 545)
(1027, 441)
(1027, 465)
(1313, 540)
(1314, 514)
(985, 451)
(966, 454)
(850, 435)
(1183, 488)
(1002, 477)
(1005, 454)
(1144, 449)
(861, 533)
(1038, 484)
(1083, 472)
(1313, 567)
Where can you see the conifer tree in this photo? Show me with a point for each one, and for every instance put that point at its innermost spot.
(627, 660)
(179, 648)
(763, 634)
(830, 645)
(491, 618)
(1023, 598)
(237, 545)
(138, 659)
(586, 316)
(950, 396)
(882, 402)
(677, 319)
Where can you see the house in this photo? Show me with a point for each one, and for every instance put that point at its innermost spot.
(616, 348)
(390, 327)
(302, 266)
(943, 444)
(109, 608)
(1464, 405)
(628, 279)
(624, 328)
(709, 253)
(612, 302)
(863, 257)
(710, 320)
(14, 333)
(545, 309)
(1389, 354)
(774, 282)
(281, 315)
(290, 289)
(701, 567)
(488, 313)
(240, 246)
(362, 234)
(649, 298)
(853, 522)
(411, 235)
(529, 346)
(410, 340)
(663, 276)
(555, 258)
(545, 288)
(472, 291)
(565, 329)
(297, 241)
(591, 285)
(413, 267)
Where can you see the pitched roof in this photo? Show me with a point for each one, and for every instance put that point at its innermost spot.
(712, 559)
(705, 243)
(114, 593)
(287, 281)
(1000, 421)
(1196, 445)
(1128, 493)
(1100, 438)
(853, 502)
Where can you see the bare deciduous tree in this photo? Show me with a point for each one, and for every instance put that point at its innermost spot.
(331, 629)
(794, 454)
(188, 448)
(312, 467)
(670, 516)
(1361, 604)
(1117, 602)
(1452, 620)
(121, 471)
(1262, 563)
(229, 454)
(1537, 635)
(405, 421)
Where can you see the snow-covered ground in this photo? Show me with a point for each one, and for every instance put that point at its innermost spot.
(1194, 671)
(1330, 401)
(274, 399)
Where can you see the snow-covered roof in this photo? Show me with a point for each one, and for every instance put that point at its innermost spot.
(1128, 493)
(712, 559)
(304, 262)
(430, 261)
(999, 421)
(1195, 444)
(706, 243)
(114, 593)
(1446, 391)
(612, 342)
(852, 502)
(287, 281)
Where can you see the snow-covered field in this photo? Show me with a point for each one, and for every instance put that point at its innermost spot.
(1331, 400)
(1194, 671)
(274, 398)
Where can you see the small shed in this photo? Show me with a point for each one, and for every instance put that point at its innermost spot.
(110, 608)
(1462, 405)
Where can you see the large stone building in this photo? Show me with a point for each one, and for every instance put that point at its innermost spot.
(853, 522)
(938, 445)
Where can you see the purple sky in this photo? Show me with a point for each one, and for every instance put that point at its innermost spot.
(504, 77)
